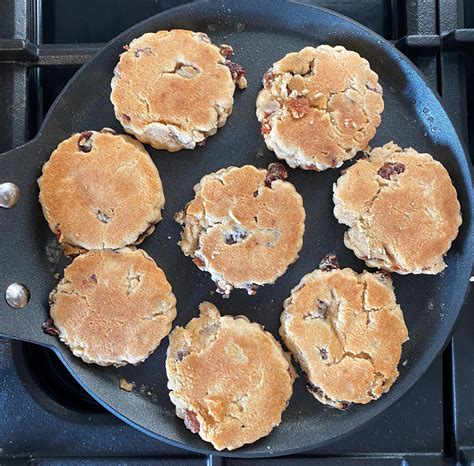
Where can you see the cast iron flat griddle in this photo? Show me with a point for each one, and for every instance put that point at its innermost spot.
(260, 33)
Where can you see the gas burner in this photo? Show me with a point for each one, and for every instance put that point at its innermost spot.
(51, 375)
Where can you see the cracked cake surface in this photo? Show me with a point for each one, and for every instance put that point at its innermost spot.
(229, 379)
(100, 190)
(173, 89)
(402, 210)
(346, 331)
(319, 107)
(244, 226)
(113, 307)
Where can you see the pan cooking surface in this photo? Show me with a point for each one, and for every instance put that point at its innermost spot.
(260, 33)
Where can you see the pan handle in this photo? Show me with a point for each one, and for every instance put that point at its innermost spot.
(20, 263)
(25, 324)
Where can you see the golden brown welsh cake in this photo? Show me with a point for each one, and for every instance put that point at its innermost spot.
(100, 190)
(402, 210)
(113, 307)
(319, 107)
(173, 89)
(244, 226)
(346, 331)
(229, 379)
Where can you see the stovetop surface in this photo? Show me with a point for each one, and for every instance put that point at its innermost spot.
(47, 418)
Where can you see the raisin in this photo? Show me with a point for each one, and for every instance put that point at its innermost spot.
(198, 262)
(299, 107)
(226, 51)
(57, 230)
(313, 388)
(108, 131)
(324, 353)
(93, 278)
(102, 216)
(84, 143)
(266, 127)
(268, 78)
(322, 309)
(126, 118)
(255, 193)
(144, 234)
(390, 168)
(329, 262)
(345, 405)
(181, 355)
(236, 70)
(320, 312)
(236, 236)
(383, 275)
(251, 288)
(275, 171)
(191, 421)
(49, 327)
(139, 52)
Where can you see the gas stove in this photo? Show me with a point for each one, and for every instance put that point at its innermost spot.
(48, 419)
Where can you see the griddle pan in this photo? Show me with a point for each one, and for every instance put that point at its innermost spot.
(260, 32)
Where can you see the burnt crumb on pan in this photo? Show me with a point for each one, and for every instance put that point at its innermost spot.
(275, 171)
(388, 169)
(49, 327)
(84, 143)
(108, 130)
(329, 262)
(191, 421)
(126, 386)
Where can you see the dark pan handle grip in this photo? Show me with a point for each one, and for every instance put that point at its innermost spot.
(22, 241)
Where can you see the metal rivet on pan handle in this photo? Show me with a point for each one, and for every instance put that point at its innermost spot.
(17, 295)
(9, 195)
